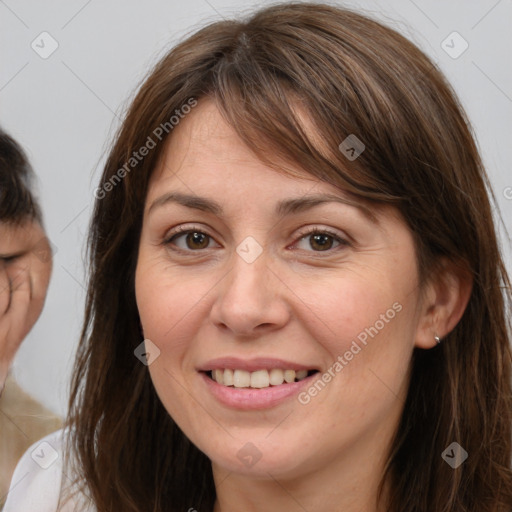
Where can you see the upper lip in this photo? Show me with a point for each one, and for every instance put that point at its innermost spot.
(252, 365)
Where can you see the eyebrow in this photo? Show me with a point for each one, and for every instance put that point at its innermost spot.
(283, 208)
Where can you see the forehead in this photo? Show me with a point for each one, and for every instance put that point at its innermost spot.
(15, 237)
(205, 153)
(204, 136)
(207, 166)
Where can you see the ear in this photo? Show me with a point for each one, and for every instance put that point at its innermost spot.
(444, 300)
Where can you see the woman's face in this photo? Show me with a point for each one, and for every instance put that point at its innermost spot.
(251, 274)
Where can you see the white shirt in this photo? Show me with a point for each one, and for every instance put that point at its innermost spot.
(37, 482)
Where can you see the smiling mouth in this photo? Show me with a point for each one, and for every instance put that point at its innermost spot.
(258, 379)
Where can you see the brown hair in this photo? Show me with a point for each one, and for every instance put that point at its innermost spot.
(350, 75)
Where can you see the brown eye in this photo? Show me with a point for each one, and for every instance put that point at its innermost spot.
(196, 240)
(321, 241)
(189, 240)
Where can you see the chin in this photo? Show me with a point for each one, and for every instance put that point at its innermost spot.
(259, 460)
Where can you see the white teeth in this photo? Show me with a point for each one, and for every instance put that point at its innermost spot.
(289, 375)
(258, 379)
(276, 377)
(241, 379)
(228, 378)
(218, 375)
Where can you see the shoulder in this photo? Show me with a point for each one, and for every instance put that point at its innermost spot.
(37, 481)
(24, 422)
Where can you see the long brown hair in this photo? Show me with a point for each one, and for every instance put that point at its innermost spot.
(350, 75)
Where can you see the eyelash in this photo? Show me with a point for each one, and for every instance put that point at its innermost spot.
(8, 259)
(183, 230)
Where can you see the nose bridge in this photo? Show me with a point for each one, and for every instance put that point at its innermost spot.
(249, 297)
(248, 279)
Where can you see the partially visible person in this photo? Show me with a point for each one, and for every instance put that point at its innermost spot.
(25, 269)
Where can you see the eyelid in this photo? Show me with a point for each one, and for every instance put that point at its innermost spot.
(9, 259)
(182, 229)
(341, 237)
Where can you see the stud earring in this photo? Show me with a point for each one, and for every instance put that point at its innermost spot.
(437, 338)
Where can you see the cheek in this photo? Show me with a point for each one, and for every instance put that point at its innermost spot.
(169, 308)
(337, 310)
(168, 304)
(365, 326)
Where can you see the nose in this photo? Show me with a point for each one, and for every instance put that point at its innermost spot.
(251, 300)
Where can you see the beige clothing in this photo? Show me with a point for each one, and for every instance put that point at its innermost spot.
(23, 421)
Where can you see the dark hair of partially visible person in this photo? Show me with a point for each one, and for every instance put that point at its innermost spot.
(350, 75)
(17, 202)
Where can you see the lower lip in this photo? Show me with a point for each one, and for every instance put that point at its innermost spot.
(253, 398)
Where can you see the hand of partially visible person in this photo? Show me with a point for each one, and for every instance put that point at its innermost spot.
(25, 268)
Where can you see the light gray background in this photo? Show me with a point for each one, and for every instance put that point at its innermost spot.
(64, 110)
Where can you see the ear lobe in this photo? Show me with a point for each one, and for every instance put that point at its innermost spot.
(445, 300)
